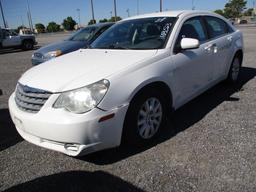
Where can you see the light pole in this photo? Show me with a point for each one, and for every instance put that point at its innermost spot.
(79, 20)
(93, 18)
(2, 12)
(115, 10)
(138, 7)
(22, 22)
(161, 5)
(128, 12)
(193, 5)
(30, 17)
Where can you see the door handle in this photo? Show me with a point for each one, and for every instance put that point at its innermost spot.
(230, 38)
(208, 48)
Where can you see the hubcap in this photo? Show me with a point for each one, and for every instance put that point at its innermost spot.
(235, 69)
(149, 118)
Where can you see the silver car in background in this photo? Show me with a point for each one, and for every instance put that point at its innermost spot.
(83, 38)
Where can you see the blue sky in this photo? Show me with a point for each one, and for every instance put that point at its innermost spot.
(45, 11)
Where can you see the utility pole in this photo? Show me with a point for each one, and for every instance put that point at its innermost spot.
(111, 14)
(93, 18)
(161, 5)
(128, 12)
(254, 12)
(115, 10)
(29, 23)
(2, 12)
(138, 7)
(30, 18)
(79, 20)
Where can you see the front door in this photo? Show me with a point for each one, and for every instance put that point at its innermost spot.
(193, 69)
(11, 39)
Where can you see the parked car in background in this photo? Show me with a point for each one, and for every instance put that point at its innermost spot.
(123, 87)
(10, 39)
(81, 39)
(243, 22)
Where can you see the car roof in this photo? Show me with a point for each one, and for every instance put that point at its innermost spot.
(170, 14)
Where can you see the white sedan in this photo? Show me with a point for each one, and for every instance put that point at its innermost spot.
(124, 85)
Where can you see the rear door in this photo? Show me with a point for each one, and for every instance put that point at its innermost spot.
(193, 68)
(221, 44)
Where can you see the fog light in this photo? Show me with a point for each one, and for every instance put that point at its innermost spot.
(72, 147)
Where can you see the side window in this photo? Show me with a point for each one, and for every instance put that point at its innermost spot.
(192, 28)
(216, 27)
(7, 33)
(230, 30)
(102, 30)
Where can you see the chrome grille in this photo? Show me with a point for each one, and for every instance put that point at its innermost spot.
(30, 99)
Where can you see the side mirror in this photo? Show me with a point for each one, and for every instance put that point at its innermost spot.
(189, 43)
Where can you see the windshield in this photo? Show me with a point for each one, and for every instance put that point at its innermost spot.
(83, 34)
(146, 33)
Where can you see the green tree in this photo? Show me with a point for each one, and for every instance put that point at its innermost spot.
(220, 12)
(103, 20)
(91, 22)
(53, 27)
(69, 24)
(112, 19)
(248, 12)
(234, 8)
(40, 27)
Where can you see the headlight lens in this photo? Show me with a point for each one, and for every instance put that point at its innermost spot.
(53, 54)
(84, 99)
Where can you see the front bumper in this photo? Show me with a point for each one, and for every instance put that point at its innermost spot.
(65, 132)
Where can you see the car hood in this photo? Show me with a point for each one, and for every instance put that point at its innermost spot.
(65, 46)
(81, 68)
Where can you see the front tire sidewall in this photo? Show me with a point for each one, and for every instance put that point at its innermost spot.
(236, 64)
(27, 45)
(131, 131)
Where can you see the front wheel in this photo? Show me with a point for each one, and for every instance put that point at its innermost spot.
(27, 45)
(234, 71)
(145, 118)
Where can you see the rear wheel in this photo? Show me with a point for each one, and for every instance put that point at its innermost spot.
(28, 45)
(145, 118)
(234, 71)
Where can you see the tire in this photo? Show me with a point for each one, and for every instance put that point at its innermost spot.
(142, 123)
(234, 71)
(28, 45)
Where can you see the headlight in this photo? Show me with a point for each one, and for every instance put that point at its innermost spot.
(53, 54)
(84, 99)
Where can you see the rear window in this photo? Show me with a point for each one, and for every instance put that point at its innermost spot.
(216, 27)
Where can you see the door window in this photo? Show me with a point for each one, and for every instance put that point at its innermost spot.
(216, 27)
(192, 28)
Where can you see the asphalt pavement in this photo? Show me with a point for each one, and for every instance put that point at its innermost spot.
(208, 145)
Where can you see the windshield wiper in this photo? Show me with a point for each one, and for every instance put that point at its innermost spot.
(114, 46)
(88, 46)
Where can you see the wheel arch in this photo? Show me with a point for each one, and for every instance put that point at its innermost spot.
(153, 84)
(240, 54)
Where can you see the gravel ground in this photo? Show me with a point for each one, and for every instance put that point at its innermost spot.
(208, 146)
